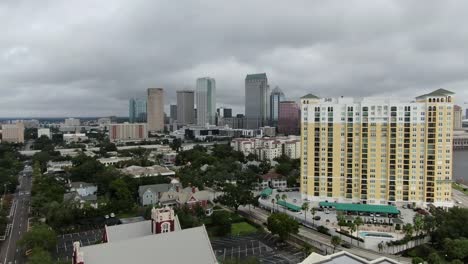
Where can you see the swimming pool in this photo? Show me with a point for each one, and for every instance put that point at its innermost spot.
(374, 234)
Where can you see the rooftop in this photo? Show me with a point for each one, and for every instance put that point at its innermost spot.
(257, 76)
(310, 96)
(344, 257)
(368, 208)
(438, 92)
(152, 170)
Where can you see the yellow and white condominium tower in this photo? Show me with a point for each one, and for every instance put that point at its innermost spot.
(378, 151)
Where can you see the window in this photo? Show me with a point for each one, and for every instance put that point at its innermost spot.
(165, 228)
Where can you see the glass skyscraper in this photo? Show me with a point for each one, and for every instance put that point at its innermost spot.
(257, 103)
(137, 110)
(276, 97)
(206, 101)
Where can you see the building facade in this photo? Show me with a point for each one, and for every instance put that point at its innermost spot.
(72, 122)
(137, 110)
(289, 118)
(43, 132)
(276, 97)
(269, 148)
(173, 113)
(206, 101)
(155, 109)
(378, 151)
(128, 131)
(185, 106)
(13, 133)
(257, 100)
(457, 117)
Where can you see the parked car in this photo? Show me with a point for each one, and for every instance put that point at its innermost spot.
(345, 245)
(316, 218)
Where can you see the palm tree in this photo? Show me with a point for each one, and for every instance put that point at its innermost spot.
(352, 229)
(335, 240)
(305, 208)
(380, 246)
(278, 197)
(417, 224)
(341, 221)
(283, 197)
(358, 222)
(313, 210)
(408, 229)
(272, 205)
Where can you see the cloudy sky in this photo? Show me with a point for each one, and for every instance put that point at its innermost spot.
(88, 57)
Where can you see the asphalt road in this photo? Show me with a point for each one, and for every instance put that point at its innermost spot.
(460, 198)
(10, 252)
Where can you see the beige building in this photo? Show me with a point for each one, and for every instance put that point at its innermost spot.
(378, 151)
(457, 117)
(269, 148)
(128, 131)
(155, 109)
(13, 133)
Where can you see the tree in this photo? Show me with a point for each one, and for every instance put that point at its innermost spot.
(40, 236)
(380, 246)
(434, 258)
(176, 144)
(313, 210)
(235, 196)
(39, 256)
(341, 221)
(305, 208)
(221, 219)
(335, 240)
(352, 229)
(121, 196)
(418, 223)
(456, 248)
(282, 225)
(278, 197)
(283, 197)
(272, 205)
(358, 222)
(417, 260)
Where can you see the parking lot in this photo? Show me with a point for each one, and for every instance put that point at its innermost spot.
(64, 249)
(264, 247)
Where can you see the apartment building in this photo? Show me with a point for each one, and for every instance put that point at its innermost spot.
(269, 148)
(13, 133)
(128, 131)
(378, 151)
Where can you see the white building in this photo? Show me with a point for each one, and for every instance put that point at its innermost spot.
(83, 188)
(113, 160)
(72, 122)
(156, 170)
(43, 132)
(206, 101)
(13, 133)
(58, 166)
(273, 180)
(269, 148)
(74, 137)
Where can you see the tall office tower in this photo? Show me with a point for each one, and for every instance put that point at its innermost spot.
(137, 110)
(155, 109)
(206, 101)
(378, 151)
(256, 100)
(289, 118)
(457, 117)
(173, 113)
(13, 133)
(276, 97)
(185, 106)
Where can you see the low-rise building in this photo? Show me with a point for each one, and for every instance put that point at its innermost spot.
(142, 242)
(189, 197)
(13, 133)
(81, 194)
(43, 132)
(268, 131)
(344, 257)
(58, 166)
(83, 188)
(169, 158)
(113, 160)
(273, 180)
(460, 139)
(74, 137)
(150, 194)
(269, 148)
(152, 171)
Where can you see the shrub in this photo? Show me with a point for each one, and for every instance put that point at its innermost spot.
(323, 230)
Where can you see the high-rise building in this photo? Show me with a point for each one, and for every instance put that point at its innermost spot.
(173, 113)
(206, 101)
(288, 118)
(224, 112)
(13, 133)
(137, 110)
(457, 117)
(72, 122)
(276, 97)
(155, 109)
(378, 151)
(185, 106)
(128, 131)
(257, 110)
(466, 113)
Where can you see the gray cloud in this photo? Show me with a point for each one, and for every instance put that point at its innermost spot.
(86, 58)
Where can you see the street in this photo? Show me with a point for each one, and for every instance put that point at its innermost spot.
(460, 198)
(9, 252)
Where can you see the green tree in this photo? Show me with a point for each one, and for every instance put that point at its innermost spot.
(352, 229)
(278, 197)
(283, 197)
(235, 196)
(282, 225)
(305, 208)
(358, 222)
(40, 236)
(313, 211)
(434, 258)
(417, 260)
(39, 256)
(341, 221)
(335, 241)
(121, 196)
(456, 248)
(222, 220)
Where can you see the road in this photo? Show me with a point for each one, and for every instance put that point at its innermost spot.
(9, 252)
(460, 198)
(322, 239)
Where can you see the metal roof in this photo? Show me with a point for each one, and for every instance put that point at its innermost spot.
(291, 207)
(266, 192)
(310, 96)
(368, 208)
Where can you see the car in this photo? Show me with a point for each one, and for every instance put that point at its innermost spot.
(317, 218)
(327, 212)
(458, 202)
(377, 215)
(346, 245)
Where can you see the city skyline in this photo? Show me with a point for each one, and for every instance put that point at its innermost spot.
(375, 48)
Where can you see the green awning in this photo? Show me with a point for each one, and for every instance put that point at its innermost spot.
(366, 208)
(291, 207)
(266, 192)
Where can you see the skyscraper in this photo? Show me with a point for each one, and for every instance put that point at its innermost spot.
(137, 110)
(185, 106)
(256, 100)
(155, 109)
(173, 113)
(276, 97)
(457, 117)
(224, 112)
(288, 118)
(206, 101)
(378, 151)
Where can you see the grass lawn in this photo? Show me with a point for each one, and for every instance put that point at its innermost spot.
(242, 228)
(460, 188)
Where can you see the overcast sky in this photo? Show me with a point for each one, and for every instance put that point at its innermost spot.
(88, 57)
